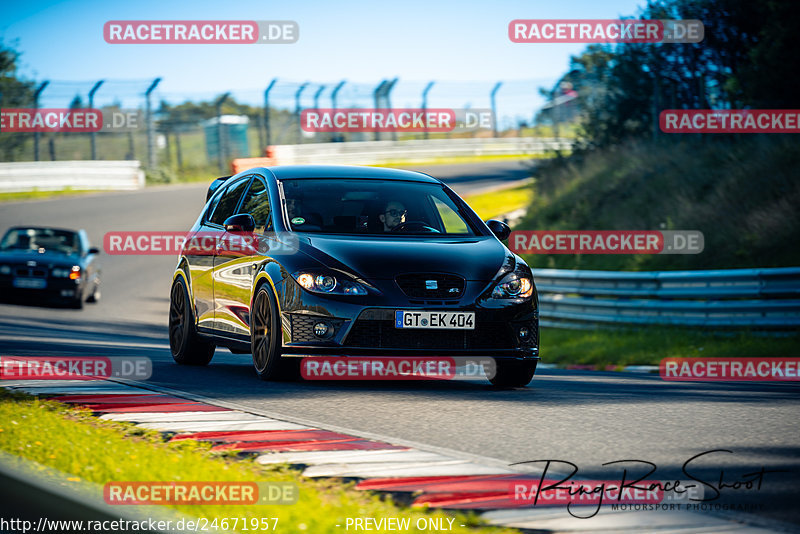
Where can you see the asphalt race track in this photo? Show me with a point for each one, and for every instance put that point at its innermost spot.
(587, 418)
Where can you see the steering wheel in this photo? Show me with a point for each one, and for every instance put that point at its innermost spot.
(415, 226)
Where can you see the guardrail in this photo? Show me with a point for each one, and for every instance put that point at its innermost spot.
(755, 298)
(377, 152)
(75, 175)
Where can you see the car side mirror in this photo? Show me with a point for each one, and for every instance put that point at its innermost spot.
(93, 250)
(241, 222)
(499, 228)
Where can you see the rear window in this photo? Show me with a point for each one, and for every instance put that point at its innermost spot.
(49, 239)
(372, 207)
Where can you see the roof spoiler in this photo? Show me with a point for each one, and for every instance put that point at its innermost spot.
(214, 186)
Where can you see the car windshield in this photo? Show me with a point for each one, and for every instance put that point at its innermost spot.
(49, 239)
(372, 207)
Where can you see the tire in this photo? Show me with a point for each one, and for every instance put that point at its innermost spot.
(265, 338)
(76, 303)
(513, 373)
(187, 347)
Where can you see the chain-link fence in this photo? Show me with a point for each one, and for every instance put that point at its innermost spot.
(198, 130)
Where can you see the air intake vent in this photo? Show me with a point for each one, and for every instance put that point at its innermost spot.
(431, 285)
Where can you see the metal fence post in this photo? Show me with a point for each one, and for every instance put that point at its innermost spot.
(267, 129)
(387, 97)
(334, 95)
(91, 106)
(220, 144)
(425, 104)
(494, 106)
(151, 149)
(376, 95)
(316, 99)
(36, 95)
(297, 110)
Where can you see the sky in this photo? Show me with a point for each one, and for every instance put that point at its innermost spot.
(461, 45)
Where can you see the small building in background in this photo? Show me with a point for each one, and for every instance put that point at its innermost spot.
(233, 130)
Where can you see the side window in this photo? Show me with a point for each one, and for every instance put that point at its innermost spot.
(453, 223)
(256, 203)
(228, 202)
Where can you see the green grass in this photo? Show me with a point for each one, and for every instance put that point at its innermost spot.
(91, 450)
(741, 193)
(495, 203)
(649, 345)
(453, 160)
(41, 195)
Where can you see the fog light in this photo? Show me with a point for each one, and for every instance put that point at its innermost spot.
(321, 330)
(523, 333)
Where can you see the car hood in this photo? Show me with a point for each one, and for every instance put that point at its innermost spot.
(41, 258)
(378, 258)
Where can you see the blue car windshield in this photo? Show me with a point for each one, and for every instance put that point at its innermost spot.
(372, 207)
(49, 239)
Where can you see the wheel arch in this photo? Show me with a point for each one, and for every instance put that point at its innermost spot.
(182, 272)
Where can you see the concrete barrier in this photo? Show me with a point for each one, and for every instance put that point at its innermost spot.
(377, 152)
(75, 175)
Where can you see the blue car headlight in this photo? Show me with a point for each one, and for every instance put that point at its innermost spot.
(513, 286)
(329, 283)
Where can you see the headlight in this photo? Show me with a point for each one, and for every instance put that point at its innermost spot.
(5, 269)
(329, 283)
(58, 272)
(513, 286)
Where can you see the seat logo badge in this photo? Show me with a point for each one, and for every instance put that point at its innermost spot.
(431, 284)
(453, 290)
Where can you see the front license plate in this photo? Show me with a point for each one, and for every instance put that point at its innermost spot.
(30, 283)
(434, 319)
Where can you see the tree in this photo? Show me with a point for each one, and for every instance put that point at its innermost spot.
(14, 93)
(747, 59)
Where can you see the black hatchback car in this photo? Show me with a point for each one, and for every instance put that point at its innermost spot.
(351, 261)
(48, 265)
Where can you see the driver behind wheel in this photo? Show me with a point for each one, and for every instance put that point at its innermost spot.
(393, 214)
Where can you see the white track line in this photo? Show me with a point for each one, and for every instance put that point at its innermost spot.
(349, 457)
(220, 426)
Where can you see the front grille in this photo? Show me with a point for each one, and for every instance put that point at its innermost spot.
(415, 285)
(301, 327)
(382, 334)
(30, 272)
